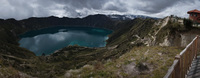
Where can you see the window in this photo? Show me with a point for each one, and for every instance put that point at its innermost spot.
(195, 15)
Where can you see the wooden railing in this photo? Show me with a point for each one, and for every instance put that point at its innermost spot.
(184, 60)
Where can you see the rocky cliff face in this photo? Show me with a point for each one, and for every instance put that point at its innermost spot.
(169, 31)
(175, 33)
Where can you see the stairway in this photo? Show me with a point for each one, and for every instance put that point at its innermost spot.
(194, 72)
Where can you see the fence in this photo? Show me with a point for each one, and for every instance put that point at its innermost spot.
(184, 60)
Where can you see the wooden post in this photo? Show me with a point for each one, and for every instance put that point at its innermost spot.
(196, 46)
(182, 75)
(187, 60)
(178, 67)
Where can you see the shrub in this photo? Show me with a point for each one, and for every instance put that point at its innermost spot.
(187, 23)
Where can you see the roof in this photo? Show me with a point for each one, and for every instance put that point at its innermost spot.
(193, 11)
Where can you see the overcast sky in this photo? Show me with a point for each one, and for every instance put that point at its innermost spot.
(21, 9)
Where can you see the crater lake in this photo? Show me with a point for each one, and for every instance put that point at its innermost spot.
(49, 40)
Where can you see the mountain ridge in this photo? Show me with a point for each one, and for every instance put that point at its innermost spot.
(127, 35)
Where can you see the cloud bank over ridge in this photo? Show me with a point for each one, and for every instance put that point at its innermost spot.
(21, 9)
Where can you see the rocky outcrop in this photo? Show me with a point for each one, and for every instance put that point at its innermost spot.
(168, 31)
(177, 33)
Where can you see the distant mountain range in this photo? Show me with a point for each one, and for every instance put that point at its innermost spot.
(99, 20)
(128, 17)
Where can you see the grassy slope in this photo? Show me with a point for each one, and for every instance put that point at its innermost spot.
(138, 27)
(158, 64)
(158, 60)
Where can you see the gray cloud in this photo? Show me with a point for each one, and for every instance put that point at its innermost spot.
(155, 6)
(21, 9)
(80, 4)
(12, 8)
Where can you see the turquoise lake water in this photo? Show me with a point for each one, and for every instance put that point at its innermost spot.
(49, 40)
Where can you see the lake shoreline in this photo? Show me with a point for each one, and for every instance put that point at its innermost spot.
(81, 36)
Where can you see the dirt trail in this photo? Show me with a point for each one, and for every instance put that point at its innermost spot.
(163, 24)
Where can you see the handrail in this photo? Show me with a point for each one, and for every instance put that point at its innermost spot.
(183, 60)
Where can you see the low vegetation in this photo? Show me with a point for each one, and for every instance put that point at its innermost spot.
(140, 62)
(188, 23)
